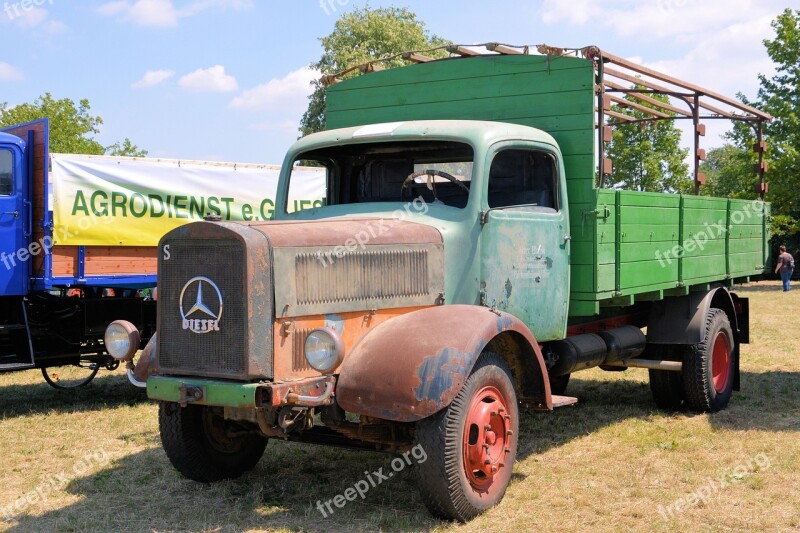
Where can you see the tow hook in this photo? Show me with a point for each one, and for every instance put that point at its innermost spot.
(191, 395)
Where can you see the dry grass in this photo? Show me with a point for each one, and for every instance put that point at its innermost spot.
(604, 465)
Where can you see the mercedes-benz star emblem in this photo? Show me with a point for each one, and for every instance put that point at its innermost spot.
(201, 317)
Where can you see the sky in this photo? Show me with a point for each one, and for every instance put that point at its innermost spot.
(228, 80)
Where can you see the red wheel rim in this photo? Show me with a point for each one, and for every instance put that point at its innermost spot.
(487, 437)
(721, 362)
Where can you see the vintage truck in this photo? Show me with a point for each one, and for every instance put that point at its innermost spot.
(468, 258)
(78, 243)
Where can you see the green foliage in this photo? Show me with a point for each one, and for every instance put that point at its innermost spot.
(780, 97)
(126, 148)
(729, 172)
(362, 35)
(647, 156)
(72, 127)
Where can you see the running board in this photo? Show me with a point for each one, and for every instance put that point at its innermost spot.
(558, 401)
(10, 367)
(563, 401)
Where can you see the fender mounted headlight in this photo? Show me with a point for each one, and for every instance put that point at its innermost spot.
(122, 340)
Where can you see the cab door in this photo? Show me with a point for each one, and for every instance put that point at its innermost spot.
(14, 267)
(525, 237)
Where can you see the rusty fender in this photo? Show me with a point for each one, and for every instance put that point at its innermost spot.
(146, 362)
(414, 365)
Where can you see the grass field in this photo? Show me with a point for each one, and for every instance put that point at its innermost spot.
(612, 463)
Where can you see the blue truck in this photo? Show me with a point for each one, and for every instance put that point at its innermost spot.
(55, 301)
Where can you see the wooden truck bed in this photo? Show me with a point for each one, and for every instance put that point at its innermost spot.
(618, 237)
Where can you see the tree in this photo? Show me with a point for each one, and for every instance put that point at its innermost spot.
(126, 148)
(647, 156)
(71, 127)
(360, 36)
(729, 173)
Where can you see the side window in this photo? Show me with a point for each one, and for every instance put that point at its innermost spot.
(308, 186)
(525, 178)
(6, 173)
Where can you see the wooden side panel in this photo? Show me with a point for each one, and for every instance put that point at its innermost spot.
(106, 261)
(553, 94)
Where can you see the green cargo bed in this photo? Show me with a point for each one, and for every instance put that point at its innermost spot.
(623, 242)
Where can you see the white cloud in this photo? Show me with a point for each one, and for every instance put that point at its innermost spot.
(212, 79)
(152, 78)
(164, 13)
(9, 73)
(29, 16)
(288, 92)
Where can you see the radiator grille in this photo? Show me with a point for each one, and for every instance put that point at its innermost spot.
(215, 353)
(361, 276)
(299, 361)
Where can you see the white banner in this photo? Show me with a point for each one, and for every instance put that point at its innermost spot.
(120, 201)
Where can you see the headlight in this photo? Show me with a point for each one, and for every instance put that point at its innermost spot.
(324, 350)
(122, 340)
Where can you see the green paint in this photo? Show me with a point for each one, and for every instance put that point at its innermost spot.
(625, 245)
(217, 393)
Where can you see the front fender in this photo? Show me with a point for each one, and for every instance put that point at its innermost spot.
(412, 366)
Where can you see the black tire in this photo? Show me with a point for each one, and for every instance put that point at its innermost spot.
(709, 367)
(666, 386)
(448, 488)
(558, 384)
(197, 446)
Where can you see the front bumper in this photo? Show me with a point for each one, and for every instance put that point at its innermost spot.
(310, 392)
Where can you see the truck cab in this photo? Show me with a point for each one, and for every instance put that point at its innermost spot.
(15, 215)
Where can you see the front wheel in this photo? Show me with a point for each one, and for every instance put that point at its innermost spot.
(709, 367)
(203, 446)
(471, 444)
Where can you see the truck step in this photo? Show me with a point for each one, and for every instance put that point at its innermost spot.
(8, 367)
(563, 401)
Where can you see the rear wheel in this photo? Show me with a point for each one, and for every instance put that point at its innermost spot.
(203, 446)
(708, 368)
(471, 444)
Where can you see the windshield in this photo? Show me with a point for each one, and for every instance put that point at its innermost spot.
(438, 172)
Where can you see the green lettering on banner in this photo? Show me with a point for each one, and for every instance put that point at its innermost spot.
(180, 203)
(197, 206)
(138, 213)
(119, 199)
(247, 212)
(153, 213)
(80, 204)
(269, 213)
(214, 209)
(228, 202)
(104, 204)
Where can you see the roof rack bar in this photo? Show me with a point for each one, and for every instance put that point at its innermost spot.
(462, 51)
(627, 103)
(650, 100)
(686, 85)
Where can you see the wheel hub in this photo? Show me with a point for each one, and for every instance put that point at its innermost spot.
(487, 435)
(721, 362)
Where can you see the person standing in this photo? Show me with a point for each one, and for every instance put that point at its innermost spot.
(785, 266)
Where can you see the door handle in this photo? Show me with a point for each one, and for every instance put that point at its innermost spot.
(567, 238)
(15, 213)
